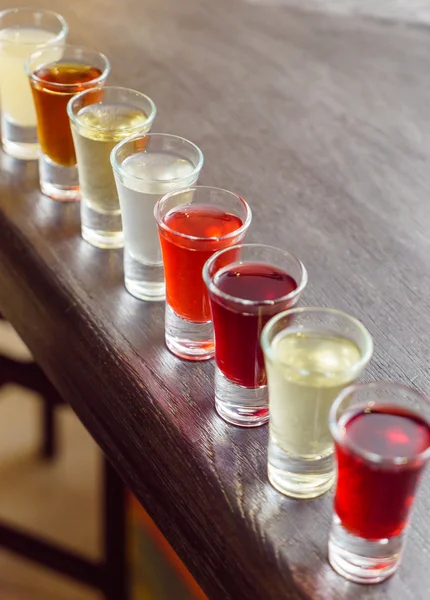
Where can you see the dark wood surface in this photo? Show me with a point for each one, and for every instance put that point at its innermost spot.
(323, 124)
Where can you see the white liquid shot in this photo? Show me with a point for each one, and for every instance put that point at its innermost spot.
(309, 371)
(147, 177)
(16, 45)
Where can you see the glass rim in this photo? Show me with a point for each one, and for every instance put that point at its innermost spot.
(208, 279)
(372, 457)
(268, 350)
(196, 238)
(27, 9)
(120, 171)
(75, 119)
(69, 86)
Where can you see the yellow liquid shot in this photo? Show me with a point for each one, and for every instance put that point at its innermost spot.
(309, 371)
(112, 123)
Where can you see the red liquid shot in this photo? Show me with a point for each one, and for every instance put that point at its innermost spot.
(238, 352)
(373, 500)
(184, 258)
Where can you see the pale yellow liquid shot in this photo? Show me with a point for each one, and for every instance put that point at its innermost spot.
(100, 128)
(308, 372)
(16, 45)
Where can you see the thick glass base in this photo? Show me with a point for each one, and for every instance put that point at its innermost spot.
(102, 239)
(239, 405)
(101, 229)
(361, 560)
(299, 477)
(58, 182)
(18, 141)
(144, 281)
(188, 339)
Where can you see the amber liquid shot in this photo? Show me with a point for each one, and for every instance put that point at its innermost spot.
(50, 101)
(57, 73)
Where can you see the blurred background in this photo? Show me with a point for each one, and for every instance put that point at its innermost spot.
(56, 499)
(60, 500)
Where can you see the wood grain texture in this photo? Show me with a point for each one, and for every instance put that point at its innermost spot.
(322, 124)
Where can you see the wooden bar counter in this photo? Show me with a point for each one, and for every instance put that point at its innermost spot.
(322, 123)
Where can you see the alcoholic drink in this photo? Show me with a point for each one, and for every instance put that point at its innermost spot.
(97, 129)
(16, 45)
(237, 333)
(374, 495)
(311, 354)
(99, 119)
(248, 285)
(23, 31)
(147, 176)
(184, 258)
(146, 168)
(381, 432)
(308, 370)
(53, 85)
(193, 224)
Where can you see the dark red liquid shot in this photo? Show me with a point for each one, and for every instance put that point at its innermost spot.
(184, 258)
(373, 500)
(238, 352)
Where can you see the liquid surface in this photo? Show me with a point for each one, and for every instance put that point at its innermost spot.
(199, 220)
(308, 371)
(184, 259)
(316, 358)
(237, 328)
(373, 500)
(67, 73)
(114, 122)
(157, 166)
(153, 171)
(389, 433)
(52, 120)
(21, 36)
(16, 45)
(255, 282)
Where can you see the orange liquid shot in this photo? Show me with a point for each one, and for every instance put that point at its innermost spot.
(184, 258)
(51, 99)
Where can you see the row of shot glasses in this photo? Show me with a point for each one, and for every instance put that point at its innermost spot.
(224, 297)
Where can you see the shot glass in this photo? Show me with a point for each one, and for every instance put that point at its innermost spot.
(56, 74)
(248, 284)
(311, 354)
(193, 224)
(146, 168)
(99, 119)
(22, 31)
(382, 437)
